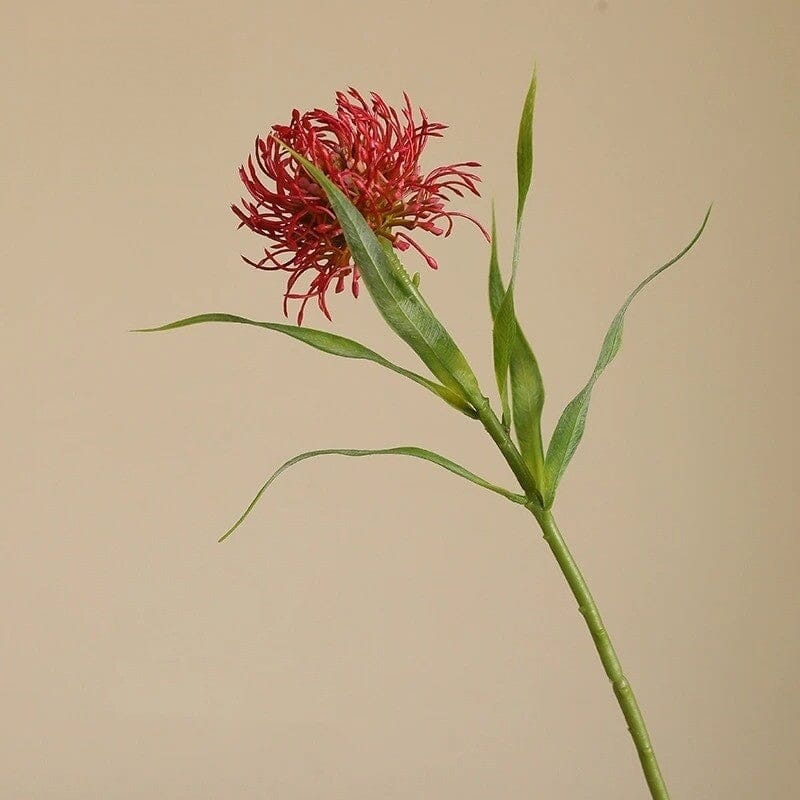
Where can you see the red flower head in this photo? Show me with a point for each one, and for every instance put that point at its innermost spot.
(371, 152)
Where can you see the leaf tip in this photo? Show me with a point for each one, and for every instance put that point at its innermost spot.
(703, 224)
(229, 531)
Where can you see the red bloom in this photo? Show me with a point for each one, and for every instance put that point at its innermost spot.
(371, 152)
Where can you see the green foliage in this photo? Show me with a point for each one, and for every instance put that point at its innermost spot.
(328, 343)
(496, 289)
(414, 452)
(519, 380)
(503, 334)
(525, 147)
(570, 427)
(527, 399)
(513, 356)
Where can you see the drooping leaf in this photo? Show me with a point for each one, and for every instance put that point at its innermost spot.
(394, 293)
(328, 343)
(570, 427)
(414, 452)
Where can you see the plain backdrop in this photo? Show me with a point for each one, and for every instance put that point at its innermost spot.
(380, 629)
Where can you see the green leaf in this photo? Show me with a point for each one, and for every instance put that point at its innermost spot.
(570, 427)
(502, 308)
(527, 387)
(525, 147)
(527, 401)
(414, 452)
(507, 336)
(394, 293)
(503, 333)
(328, 343)
(496, 289)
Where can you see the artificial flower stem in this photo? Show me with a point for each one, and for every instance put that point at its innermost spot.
(495, 428)
(608, 656)
(586, 604)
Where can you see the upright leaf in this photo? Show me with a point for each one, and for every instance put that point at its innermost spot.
(395, 295)
(525, 147)
(505, 319)
(328, 343)
(414, 452)
(503, 333)
(569, 429)
(527, 400)
(496, 289)
(513, 355)
(527, 387)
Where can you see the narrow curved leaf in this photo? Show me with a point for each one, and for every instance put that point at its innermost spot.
(328, 343)
(414, 452)
(569, 429)
(394, 293)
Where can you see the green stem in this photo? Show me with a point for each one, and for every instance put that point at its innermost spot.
(501, 438)
(586, 604)
(608, 656)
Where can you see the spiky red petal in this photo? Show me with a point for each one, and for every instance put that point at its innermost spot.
(371, 151)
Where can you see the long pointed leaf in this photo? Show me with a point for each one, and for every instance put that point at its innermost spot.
(328, 343)
(509, 344)
(496, 289)
(513, 355)
(505, 324)
(525, 147)
(395, 295)
(414, 452)
(527, 401)
(527, 386)
(570, 427)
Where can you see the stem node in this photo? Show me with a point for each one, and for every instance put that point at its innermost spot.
(608, 656)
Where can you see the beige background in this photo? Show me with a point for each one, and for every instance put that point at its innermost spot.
(380, 629)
